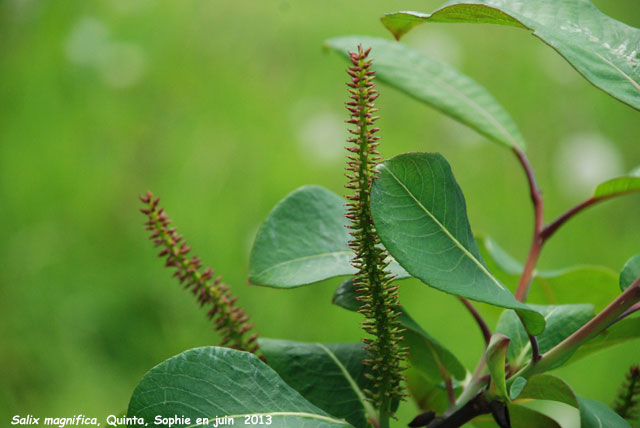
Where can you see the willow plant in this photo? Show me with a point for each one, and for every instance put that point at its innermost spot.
(406, 217)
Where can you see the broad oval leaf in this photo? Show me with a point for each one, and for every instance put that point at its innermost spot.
(618, 186)
(561, 322)
(605, 51)
(421, 217)
(438, 85)
(330, 376)
(630, 272)
(597, 285)
(426, 354)
(212, 381)
(304, 240)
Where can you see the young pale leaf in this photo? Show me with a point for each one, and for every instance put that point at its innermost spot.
(561, 322)
(330, 376)
(594, 414)
(626, 329)
(617, 186)
(438, 85)
(577, 284)
(304, 240)
(421, 217)
(212, 381)
(517, 386)
(630, 272)
(496, 354)
(603, 50)
(426, 354)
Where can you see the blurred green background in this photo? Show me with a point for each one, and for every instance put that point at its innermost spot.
(222, 108)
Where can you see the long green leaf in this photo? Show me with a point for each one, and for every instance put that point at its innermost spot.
(426, 354)
(630, 272)
(212, 381)
(438, 85)
(605, 51)
(330, 376)
(561, 322)
(304, 240)
(421, 217)
(597, 285)
(620, 185)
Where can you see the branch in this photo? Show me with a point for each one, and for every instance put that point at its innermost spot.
(552, 227)
(486, 332)
(536, 245)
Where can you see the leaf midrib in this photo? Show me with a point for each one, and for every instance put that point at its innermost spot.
(444, 229)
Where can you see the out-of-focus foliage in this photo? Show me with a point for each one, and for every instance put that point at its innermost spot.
(223, 108)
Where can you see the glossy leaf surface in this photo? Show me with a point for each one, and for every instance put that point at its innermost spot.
(421, 217)
(603, 50)
(330, 376)
(438, 85)
(426, 354)
(561, 322)
(212, 381)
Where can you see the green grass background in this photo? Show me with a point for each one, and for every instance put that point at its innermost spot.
(223, 108)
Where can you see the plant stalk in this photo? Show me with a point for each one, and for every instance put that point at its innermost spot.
(537, 242)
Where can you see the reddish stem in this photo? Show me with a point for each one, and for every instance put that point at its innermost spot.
(486, 332)
(538, 241)
(552, 227)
